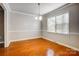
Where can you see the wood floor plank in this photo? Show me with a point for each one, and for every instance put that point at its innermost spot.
(36, 47)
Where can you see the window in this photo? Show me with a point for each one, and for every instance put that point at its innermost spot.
(59, 24)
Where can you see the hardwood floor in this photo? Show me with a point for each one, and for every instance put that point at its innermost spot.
(36, 47)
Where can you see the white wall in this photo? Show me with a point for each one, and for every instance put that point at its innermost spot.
(71, 40)
(22, 26)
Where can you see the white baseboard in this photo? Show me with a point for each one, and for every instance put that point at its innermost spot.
(24, 39)
(20, 40)
(62, 44)
(7, 44)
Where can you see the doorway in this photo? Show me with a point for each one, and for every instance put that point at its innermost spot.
(1, 27)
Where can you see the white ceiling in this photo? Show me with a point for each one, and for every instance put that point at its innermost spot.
(32, 8)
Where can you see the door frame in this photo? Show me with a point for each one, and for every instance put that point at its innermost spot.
(6, 17)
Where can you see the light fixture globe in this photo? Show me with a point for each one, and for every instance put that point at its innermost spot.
(39, 17)
(36, 18)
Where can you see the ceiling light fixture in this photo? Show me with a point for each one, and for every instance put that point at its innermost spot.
(39, 17)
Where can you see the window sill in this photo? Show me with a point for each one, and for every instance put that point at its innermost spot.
(58, 33)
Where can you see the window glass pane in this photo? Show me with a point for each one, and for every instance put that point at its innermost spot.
(53, 20)
(65, 28)
(51, 28)
(59, 22)
(51, 24)
(59, 28)
(66, 18)
(66, 23)
(59, 19)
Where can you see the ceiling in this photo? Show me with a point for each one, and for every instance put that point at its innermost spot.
(32, 8)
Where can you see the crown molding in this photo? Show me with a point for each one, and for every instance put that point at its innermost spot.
(27, 14)
(6, 6)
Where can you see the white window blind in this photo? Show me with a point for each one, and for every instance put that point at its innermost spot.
(51, 24)
(59, 24)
